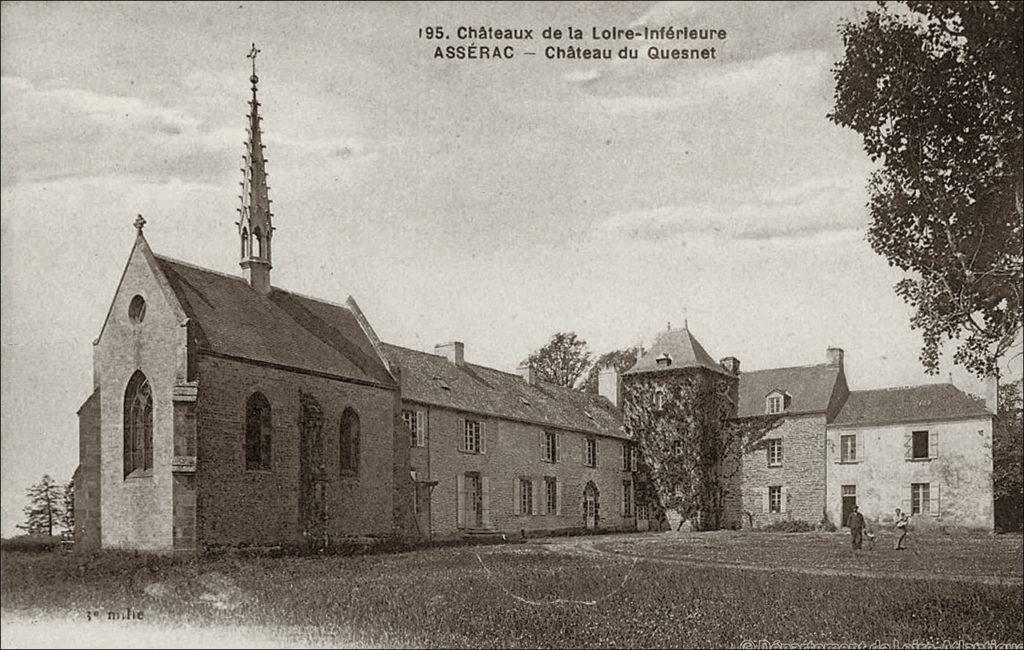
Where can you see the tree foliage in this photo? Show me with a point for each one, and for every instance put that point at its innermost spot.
(67, 519)
(563, 360)
(934, 89)
(45, 507)
(621, 360)
(1008, 458)
(689, 448)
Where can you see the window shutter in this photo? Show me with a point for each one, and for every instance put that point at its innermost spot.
(908, 499)
(558, 447)
(485, 501)
(595, 452)
(908, 445)
(933, 444)
(517, 496)
(460, 501)
(537, 490)
(622, 501)
(764, 499)
(632, 458)
(483, 436)
(461, 429)
(783, 498)
(421, 428)
(935, 505)
(558, 498)
(543, 444)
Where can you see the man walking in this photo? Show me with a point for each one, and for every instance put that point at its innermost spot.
(856, 524)
(901, 529)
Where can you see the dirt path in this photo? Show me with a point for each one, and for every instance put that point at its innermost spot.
(590, 547)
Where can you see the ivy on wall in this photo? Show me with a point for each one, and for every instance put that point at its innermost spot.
(689, 441)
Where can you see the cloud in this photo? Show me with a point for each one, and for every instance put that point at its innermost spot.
(810, 208)
(112, 111)
(775, 78)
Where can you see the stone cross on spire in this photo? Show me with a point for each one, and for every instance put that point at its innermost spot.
(139, 224)
(254, 227)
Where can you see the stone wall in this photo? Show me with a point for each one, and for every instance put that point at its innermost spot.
(801, 476)
(958, 472)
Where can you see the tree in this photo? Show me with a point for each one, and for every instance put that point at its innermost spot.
(621, 360)
(935, 91)
(44, 508)
(1007, 453)
(67, 520)
(563, 360)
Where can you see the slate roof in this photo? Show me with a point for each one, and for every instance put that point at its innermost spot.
(477, 389)
(810, 388)
(684, 350)
(909, 404)
(281, 328)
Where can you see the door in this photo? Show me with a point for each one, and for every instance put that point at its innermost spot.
(849, 501)
(312, 474)
(590, 505)
(474, 502)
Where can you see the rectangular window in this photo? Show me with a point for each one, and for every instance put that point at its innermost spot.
(526, 496)
(775, 453)
(775, 498)
(632, 458)
(920, 444)
(641, 511)
(774, 404)
(590, 452)
(849, 490)
(920, 499)
(550, 446)
(625, 457)
(551, 494)
(848, 448)
(627, 498)
(409, 417)
(471, 437)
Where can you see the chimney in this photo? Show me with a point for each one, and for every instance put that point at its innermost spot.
(731, 364)
(608, 384)
(835, 356)
(992, 394)
(453, 351)
(528, 373)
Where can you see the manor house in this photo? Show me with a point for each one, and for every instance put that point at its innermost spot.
(228, 411)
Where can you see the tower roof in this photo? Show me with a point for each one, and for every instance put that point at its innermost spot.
(683, 351)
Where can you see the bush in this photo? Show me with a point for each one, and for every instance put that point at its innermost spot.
(789, 526)
(31, 543)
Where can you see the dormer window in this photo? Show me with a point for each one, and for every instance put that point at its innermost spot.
(664, 360)
(776, 402)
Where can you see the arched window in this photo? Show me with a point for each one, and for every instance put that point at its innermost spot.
(138, 424)
(245, 241)
(659, 399)
(257, 236)
(349, 441)
(258, 432)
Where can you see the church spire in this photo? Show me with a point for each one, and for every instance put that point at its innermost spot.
(254, 227)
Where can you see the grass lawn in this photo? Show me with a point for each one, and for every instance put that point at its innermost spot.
(503, 595)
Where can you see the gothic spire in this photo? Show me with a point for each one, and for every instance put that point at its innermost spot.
(255, 226)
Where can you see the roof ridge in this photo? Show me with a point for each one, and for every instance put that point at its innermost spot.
(908, 387)
(174, 260)
(804, 367)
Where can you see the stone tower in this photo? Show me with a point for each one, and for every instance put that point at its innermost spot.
(674, 400)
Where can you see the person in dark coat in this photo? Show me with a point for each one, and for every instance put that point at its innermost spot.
(856, 525)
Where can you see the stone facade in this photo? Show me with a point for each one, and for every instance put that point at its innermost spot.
(261, 507)
(512, 451)
(800, 475)
(957, 471)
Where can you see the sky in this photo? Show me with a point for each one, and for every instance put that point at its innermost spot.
(492, 202)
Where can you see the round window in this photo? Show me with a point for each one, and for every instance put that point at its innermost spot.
(137, 309)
